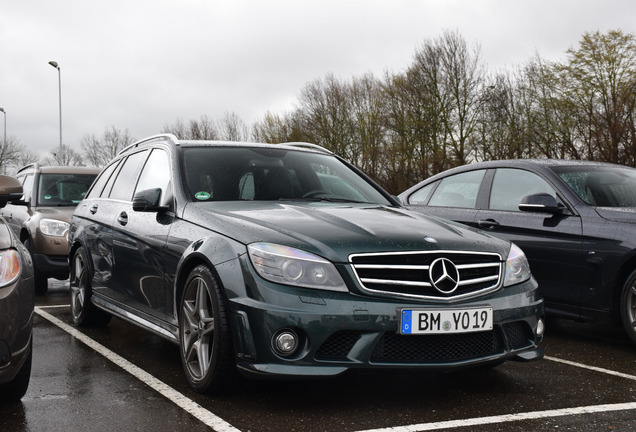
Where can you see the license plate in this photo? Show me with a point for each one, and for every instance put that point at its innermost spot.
(439, 321)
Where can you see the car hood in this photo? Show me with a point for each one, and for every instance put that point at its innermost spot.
(336, 231)
(618, 214)
(63, 213)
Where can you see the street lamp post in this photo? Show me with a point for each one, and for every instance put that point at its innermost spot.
(4, 143)
(60, 153)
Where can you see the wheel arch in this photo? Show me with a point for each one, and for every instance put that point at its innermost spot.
(24, 234)
(626, 269)
(220, 255)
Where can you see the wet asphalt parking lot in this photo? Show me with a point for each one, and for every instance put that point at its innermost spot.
(120, 378)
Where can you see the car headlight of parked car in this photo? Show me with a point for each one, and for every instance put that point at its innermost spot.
(54, 227)
(9, 266)
(289, 266)
(517, 267)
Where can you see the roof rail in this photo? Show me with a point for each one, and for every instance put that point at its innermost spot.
(165, 136)
(33, 165)
(309, 146)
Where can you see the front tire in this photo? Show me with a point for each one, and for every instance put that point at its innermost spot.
(628, 306)
(84, 313)
(205, 339)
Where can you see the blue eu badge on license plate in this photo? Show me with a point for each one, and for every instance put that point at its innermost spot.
(407, 316)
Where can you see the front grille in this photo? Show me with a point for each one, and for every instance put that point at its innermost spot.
(422, 274)
(395, 348)
(391, 347)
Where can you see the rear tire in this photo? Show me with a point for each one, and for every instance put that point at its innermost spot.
(628, 306)
(205, 339)
(84, 313)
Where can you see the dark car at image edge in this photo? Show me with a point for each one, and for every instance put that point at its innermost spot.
(286, 261)
(17, 296)
(575, 221)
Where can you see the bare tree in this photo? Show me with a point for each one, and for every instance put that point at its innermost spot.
(232, 128)
(70, 157)
(275, 128)
(601, 80)
(202, 129)
(325, 115)
(98, 152)
(14, 155)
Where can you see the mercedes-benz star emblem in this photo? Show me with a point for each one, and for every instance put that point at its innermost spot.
(444, 275)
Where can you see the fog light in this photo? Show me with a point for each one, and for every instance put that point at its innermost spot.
(286, 342)
(540, 327)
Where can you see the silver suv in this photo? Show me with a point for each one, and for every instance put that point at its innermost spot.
(41, 219)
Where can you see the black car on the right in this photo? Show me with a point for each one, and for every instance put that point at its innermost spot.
(575, 221)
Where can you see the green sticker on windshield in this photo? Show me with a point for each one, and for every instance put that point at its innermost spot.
(202, 196)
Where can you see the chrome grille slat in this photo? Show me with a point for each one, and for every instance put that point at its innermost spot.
(395, 282)
(407, 274)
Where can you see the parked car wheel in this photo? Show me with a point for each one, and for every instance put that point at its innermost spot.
(14, 390)
(205, 337)
(83, 311)
(628, 305)
(41, 281)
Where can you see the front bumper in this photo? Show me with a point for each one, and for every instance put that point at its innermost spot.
(341, 331)
(55, 266)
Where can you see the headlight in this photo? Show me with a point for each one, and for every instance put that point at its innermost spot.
(54, 227)
(282, 264)
(9, 266)
(517, 267)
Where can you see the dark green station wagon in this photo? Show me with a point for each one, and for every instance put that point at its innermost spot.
(286, 261)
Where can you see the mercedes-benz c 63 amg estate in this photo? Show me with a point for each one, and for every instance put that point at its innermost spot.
(285, 260)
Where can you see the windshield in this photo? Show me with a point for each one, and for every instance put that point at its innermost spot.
(63, 189)
(601, 186)
(251, 173)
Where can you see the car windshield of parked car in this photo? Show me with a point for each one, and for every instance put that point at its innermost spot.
(63, 189)
(263, 173)
(601, 186)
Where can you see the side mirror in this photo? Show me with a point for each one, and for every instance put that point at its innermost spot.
(541, 203)
(10, 190)
(147, 201)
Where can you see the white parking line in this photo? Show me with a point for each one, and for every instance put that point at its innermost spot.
(535, 415)
(200, 413)
(508, 418)
(221, 425)
(592, 368)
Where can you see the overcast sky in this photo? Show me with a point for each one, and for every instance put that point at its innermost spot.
(140, 65)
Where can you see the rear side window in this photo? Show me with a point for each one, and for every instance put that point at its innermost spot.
(420, 196)
(98, 187)
(459, 190)
(127, 176)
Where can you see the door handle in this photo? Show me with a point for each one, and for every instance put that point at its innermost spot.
(488, 223)
(93, 209)
(122, 218)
